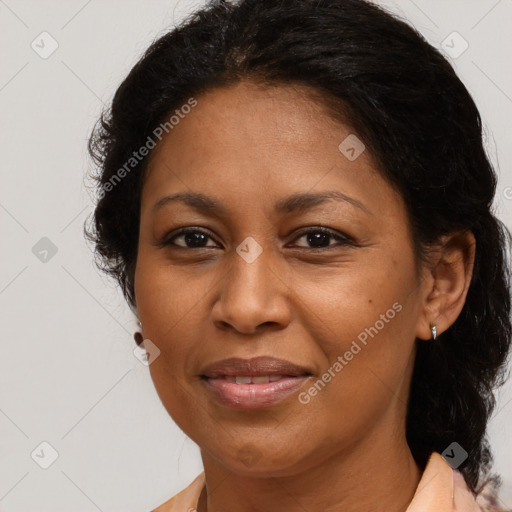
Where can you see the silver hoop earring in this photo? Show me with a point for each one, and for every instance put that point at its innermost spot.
(433, 328)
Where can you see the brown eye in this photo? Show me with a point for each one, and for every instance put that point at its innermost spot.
(319, 238)
(194, 238)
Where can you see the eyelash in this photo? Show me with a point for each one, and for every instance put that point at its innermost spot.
(342, 239)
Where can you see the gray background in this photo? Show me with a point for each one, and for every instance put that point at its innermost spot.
(68, 374)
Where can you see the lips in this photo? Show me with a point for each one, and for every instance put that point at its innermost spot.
(261, 366)
(253, 383)
(247, 379)
(254, 396)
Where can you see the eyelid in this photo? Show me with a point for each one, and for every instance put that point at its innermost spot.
(343, 239)
(166, 240)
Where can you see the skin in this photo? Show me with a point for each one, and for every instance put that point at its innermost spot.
(345, 450)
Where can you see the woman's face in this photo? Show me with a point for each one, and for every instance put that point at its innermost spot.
(251, 282)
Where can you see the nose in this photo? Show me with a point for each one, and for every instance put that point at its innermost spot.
(252, 295)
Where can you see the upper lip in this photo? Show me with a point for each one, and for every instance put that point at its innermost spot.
(255, 366)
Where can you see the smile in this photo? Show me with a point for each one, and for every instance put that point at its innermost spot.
(253, 392)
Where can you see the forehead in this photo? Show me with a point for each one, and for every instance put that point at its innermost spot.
(249, 119)
(252, 143)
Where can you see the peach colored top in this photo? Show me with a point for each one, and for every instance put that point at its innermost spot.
(441, 489)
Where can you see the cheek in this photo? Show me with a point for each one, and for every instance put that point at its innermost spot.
(167, 298)
(354, 303)
(363, 323)
(365, 373)
(170, 309)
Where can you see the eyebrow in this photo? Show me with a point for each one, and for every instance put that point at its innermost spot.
(294, 203)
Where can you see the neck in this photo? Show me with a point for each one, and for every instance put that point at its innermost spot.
(373, 477)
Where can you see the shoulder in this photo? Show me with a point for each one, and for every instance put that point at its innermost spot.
(488, 499)
(185, 500)
(444, 489)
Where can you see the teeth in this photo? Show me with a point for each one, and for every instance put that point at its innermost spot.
(244, 379)
(261, 378)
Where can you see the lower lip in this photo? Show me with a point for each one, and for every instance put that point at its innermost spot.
(254, 396)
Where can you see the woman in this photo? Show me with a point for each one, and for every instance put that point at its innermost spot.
(296, 201)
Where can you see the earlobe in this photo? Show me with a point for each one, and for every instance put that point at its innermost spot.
(450, 276)
(137, 335)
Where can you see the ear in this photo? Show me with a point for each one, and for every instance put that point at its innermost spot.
(446, 282)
